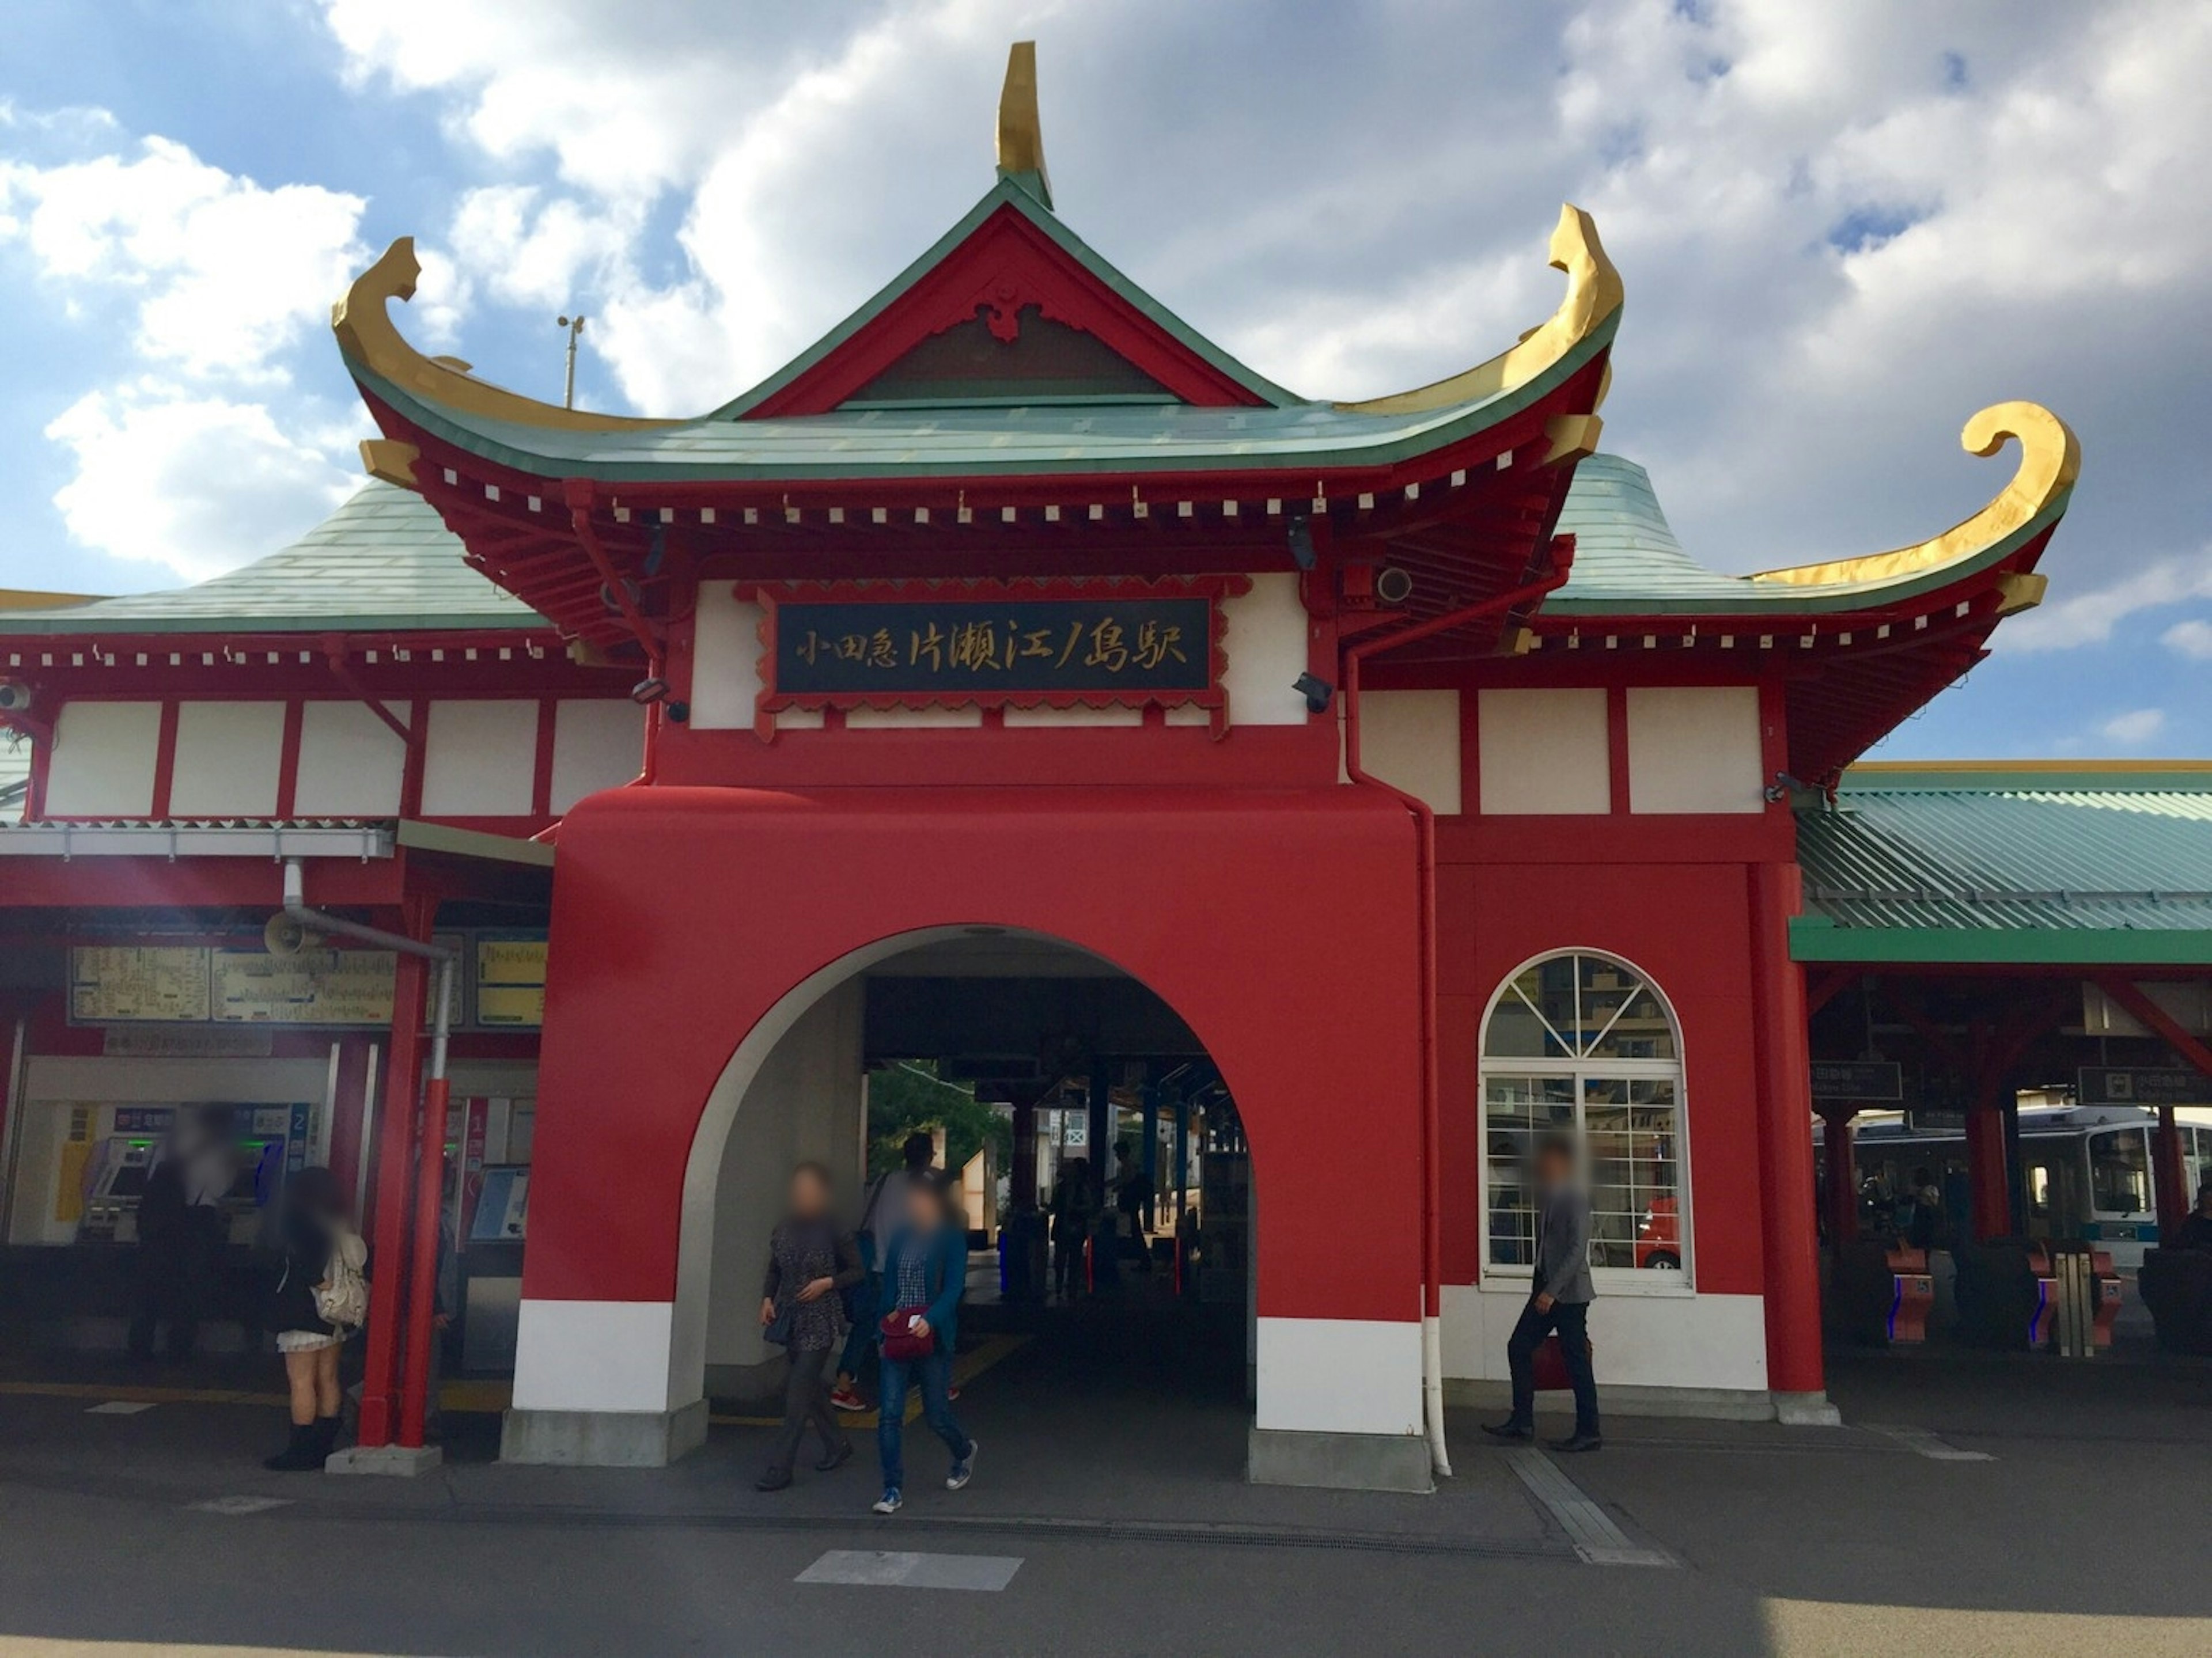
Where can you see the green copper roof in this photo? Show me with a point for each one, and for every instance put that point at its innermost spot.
(384, 560)
(972, 442)
(1627, 562)
(2044, 865)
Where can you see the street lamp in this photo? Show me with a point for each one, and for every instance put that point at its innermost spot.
(576, 326)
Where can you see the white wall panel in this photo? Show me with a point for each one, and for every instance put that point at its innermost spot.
(596, 745)
(911, 718)
(1267, 645)
(1695, 749)
(480, 759)
(1339, 1375)
(1079, 716)
(1543, 751)
(229, 755)
(102, 764)
(351, 763)
(1410, 739)
(1641, 1341)
(725, 652)
(594, 1356)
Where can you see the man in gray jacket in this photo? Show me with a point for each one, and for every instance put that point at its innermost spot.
(1560, 1296)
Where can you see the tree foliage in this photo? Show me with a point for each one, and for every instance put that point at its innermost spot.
(905, 1097)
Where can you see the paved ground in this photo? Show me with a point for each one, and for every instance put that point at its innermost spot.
(1973, 1506)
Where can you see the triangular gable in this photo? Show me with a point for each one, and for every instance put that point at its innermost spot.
(1009, 307)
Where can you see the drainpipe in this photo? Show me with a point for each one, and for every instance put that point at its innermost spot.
(430, 1161)
(1424, 819)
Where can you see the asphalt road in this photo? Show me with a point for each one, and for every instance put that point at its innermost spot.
(1970, 1508)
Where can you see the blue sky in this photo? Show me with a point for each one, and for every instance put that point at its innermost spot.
(1843, 229)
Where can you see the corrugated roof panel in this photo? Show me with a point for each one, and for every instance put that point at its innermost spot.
(2010, 858)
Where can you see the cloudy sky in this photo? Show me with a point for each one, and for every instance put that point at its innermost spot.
(1843, 229)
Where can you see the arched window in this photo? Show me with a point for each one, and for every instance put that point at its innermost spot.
(1583, 1045)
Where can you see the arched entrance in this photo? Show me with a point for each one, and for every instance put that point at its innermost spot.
(695, 930)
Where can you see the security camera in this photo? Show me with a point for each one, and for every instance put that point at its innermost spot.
(14, 696)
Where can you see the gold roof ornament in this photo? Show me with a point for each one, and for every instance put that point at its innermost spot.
(1594, 293)
(1021, 129)
(367, 335)
(2050, 461)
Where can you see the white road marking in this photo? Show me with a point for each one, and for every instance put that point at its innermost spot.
(239, 1504)
(1598, 1541)
(1921, 1442)
(121, 1407)
(886, 1569)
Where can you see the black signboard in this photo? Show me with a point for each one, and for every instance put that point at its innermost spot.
(1858, 1079)
(2099, 1085)
(955, 648)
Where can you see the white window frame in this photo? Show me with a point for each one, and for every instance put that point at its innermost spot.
(1609, 1280)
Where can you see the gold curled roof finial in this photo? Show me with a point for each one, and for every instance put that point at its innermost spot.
(1021, 130)
(1594, 293)
(367, 336)
(2050, 461)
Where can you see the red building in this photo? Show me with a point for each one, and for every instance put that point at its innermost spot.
(1391, 756)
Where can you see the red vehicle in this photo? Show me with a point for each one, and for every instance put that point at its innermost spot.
(1659, 1237)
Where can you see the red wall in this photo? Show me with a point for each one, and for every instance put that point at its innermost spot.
(1686, 924)
(1276, 924)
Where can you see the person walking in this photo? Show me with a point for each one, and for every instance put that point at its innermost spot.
(1070, 1225)
(316, 1243)
(925, 1275)
(204, 1144)
(1560, 1295)
(809, 1259)
(157, 1278)
(880, 1216)
(2196, 1228)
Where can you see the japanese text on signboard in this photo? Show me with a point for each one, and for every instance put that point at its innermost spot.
(958, 648)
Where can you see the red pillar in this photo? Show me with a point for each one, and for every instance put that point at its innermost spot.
(1986, 1178)
(423, 1284)
(395, 1155)
(2169, 1175)
(1840, 1190)
(1789, 1240)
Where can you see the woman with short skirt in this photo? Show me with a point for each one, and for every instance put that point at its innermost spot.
(313, 1218)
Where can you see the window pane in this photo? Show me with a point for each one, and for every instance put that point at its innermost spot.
(1517, 1112)
(1516, 1032)
(1642, 1030)
(2120, 1172)
(1630, 1138)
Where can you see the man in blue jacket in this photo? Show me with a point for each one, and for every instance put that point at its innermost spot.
(924, 1272)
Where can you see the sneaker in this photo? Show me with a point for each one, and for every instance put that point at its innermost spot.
(889, 1501)
(951, 1392)
(962, 1471)
(848, 1398)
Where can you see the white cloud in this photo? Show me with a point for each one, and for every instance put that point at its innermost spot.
(222, 275)
(2134, 729)
(195, 485)
(2089, 618)
(2192, 639)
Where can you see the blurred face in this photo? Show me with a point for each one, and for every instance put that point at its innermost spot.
(1552, 1168)
(924, 1208)
(809, 1196)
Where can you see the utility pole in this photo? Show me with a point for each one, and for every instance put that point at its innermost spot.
(576, 326)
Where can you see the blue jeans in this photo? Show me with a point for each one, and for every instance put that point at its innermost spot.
(934, 1375)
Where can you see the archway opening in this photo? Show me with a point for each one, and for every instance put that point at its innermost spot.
(1090, 1142)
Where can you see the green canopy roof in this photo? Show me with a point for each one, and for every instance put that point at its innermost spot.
(2087, 864)
(1627, 562)
(383, 560)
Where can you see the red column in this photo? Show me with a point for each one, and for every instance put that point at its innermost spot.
(1840, 1191)
(395, 1155)
(1990, 1186)
(423, 1284)
(2169, 1175)
(1789, 1237)
(348, 1107)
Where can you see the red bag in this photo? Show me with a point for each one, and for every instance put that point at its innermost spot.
(1550, 1365)
(900, 1342)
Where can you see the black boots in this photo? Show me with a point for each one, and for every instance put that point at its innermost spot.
(308, 1446)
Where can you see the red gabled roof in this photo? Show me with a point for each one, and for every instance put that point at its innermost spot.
(1005, 268)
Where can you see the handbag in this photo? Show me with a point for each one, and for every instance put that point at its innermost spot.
(778, 1328)
(1549, 1366)
(899, 1340)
